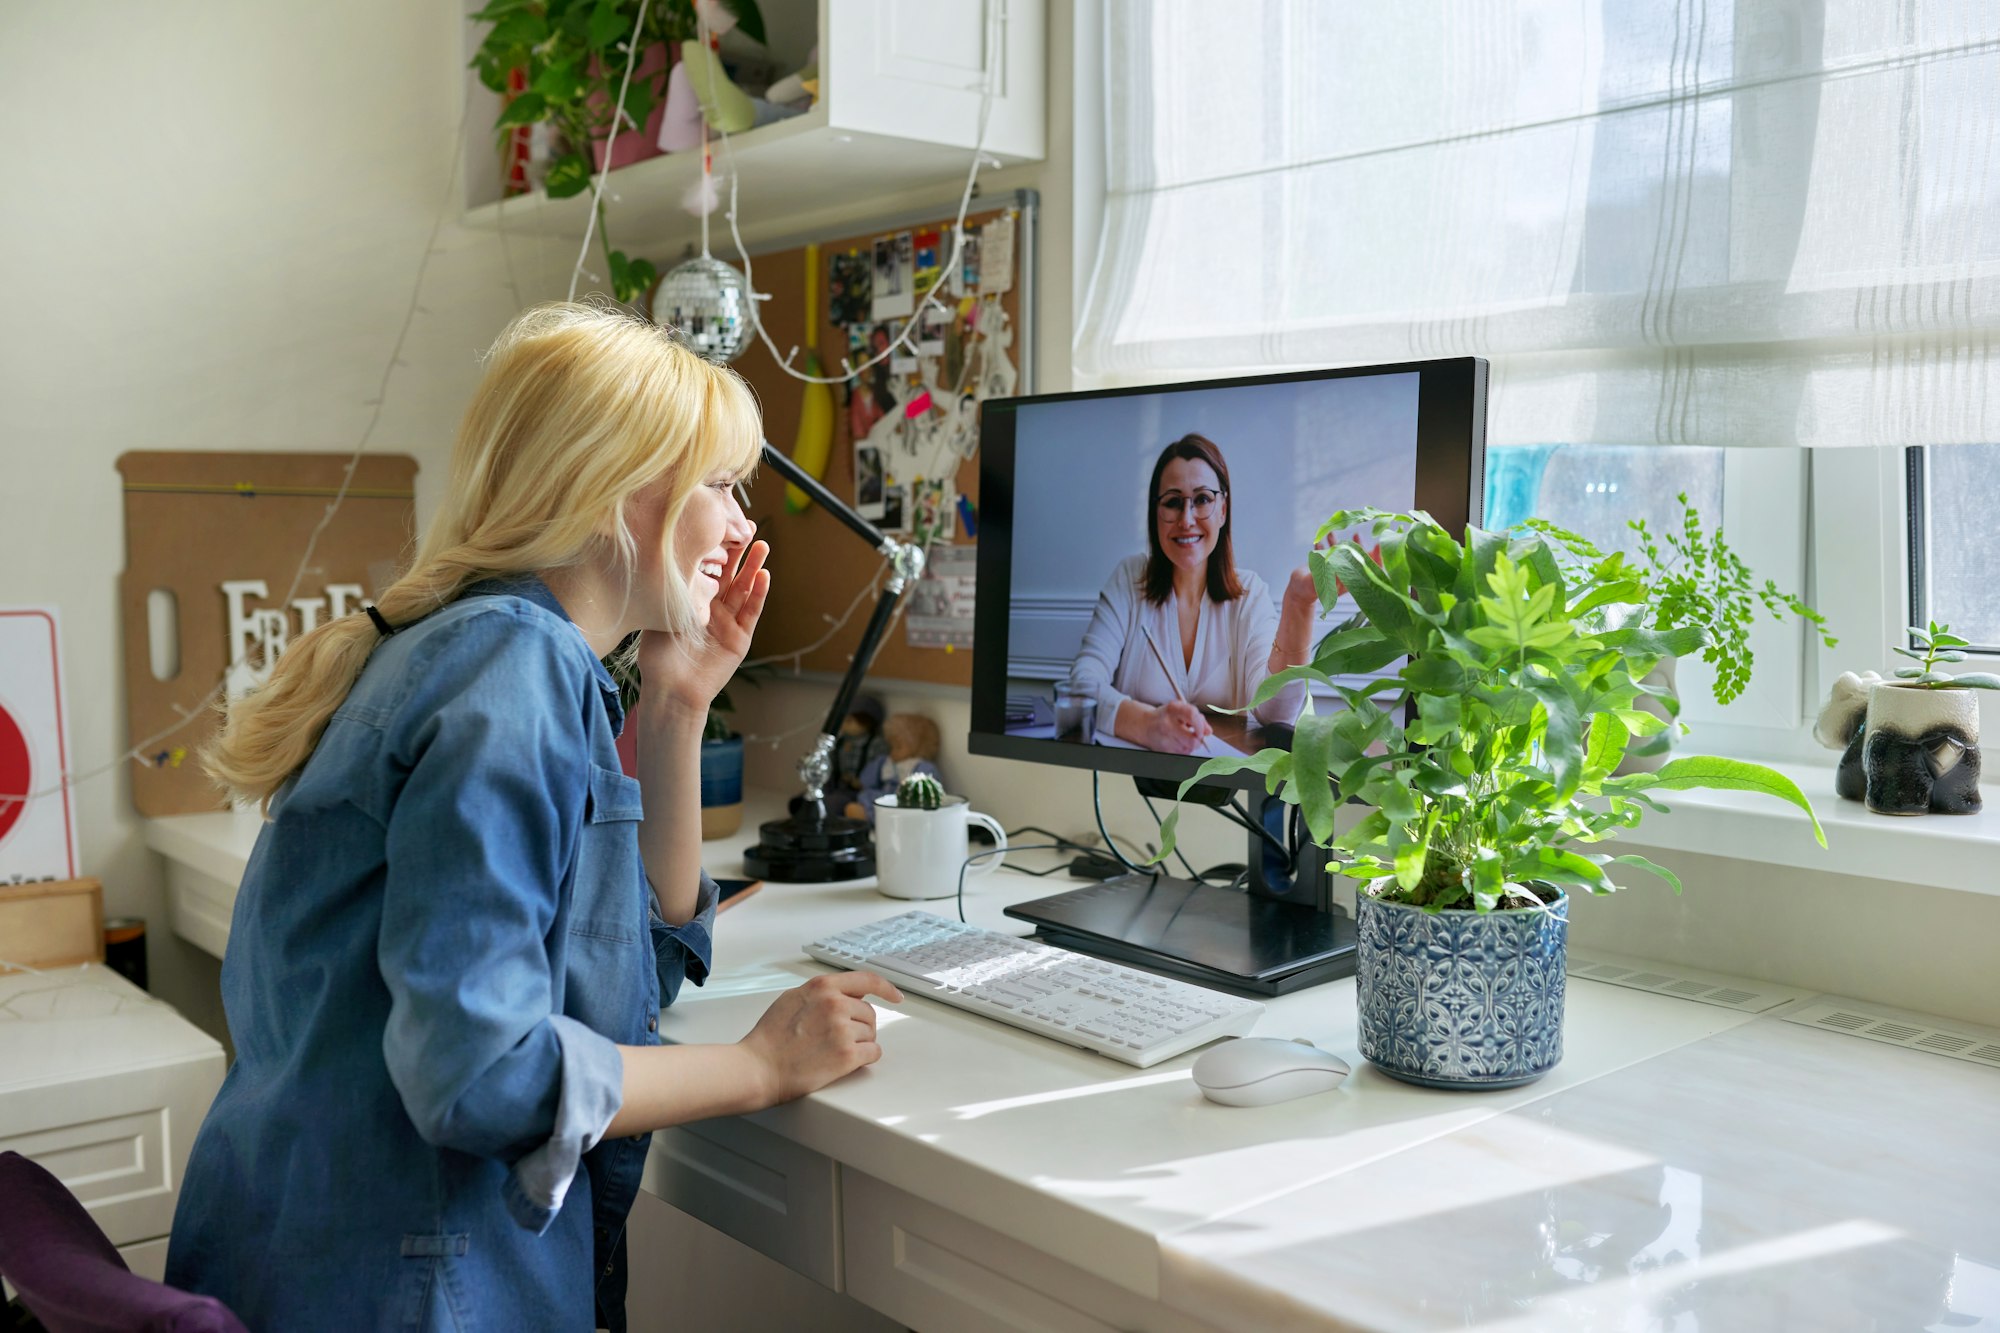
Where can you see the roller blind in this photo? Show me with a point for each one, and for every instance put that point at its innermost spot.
(1758, 223)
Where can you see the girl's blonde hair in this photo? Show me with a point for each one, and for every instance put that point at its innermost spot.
(580, 407)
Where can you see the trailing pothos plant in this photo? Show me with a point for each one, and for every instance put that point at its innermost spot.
(572, 55)
(1488, 754)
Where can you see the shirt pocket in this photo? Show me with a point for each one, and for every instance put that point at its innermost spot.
(608, 898)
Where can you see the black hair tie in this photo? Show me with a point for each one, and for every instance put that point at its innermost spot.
(381, 624)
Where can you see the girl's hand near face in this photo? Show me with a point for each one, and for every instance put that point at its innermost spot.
(695, 669)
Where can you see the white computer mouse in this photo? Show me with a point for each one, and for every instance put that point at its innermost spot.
(1257, 1071)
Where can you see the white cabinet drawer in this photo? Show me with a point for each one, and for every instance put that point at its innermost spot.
(118, 1142)
(939, 1273)
(748, 1183)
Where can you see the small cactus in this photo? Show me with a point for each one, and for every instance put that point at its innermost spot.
(922, 792)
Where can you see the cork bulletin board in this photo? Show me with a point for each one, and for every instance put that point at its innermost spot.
(818, 566)
(212, 541)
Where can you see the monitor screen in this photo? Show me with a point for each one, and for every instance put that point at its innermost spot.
(1136, 547)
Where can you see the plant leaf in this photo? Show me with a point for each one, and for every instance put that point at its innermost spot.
(607, 25)
(1720, 773)
(523, 110)
(1977, 680)
(568, 175)
(1650, 867)
(1606, 747)
(1312, 764)
(1409, 865)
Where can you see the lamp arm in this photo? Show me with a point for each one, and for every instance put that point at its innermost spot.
(906, 566)
(833, 504)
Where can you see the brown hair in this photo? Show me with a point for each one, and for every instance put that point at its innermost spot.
(1223, 585)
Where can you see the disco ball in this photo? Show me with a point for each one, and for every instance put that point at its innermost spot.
(705, 305)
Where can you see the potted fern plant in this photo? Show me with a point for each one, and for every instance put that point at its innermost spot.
(1489, 759)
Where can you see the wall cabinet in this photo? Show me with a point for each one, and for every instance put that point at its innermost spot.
(898, 111)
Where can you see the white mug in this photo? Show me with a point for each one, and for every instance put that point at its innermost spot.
(918, 852)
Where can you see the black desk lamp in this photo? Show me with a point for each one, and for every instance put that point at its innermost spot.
(813, 846)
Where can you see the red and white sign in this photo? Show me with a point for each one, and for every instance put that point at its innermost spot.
(37, 827)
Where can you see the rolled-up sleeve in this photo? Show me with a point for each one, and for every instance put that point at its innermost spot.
(687, 951)
(479, 842)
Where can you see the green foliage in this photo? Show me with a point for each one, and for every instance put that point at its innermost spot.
(572, 54)
(1939, 644)
(1694, 579)
(922, 792)
(1489, 757)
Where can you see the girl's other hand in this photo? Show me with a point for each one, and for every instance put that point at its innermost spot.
(818, 1032)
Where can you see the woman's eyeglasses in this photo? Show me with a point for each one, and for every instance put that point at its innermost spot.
(1202, 503)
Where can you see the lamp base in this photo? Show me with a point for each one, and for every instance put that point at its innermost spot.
(812, 847)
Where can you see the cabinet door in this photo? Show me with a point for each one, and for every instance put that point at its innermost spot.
(749, 1183)
(686, 1275)
(933, 1269)
(118, 1142)
(912, 68)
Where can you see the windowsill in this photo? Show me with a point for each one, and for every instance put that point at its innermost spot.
(1939, 851)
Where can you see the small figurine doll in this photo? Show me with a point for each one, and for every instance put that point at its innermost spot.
(913, 749)
(856, 750)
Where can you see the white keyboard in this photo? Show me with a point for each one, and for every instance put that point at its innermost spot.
(1117, 1011)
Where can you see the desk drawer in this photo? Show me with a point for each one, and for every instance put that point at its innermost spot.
(118, 1142)
(940, 1273)
(750, 1184)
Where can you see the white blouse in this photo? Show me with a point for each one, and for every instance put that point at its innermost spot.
(1232, 650)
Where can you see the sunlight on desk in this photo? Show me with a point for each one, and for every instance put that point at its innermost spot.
(978, 1109)
(1612, 1300)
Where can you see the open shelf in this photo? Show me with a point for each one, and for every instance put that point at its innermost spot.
(792, 169)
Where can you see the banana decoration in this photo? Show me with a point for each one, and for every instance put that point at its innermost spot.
(815, 438)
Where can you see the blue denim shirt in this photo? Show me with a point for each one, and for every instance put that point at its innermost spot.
(442, 936)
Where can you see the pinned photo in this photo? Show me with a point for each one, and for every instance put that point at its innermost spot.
(927, 255)
(894, 516)
(868, 482)
(933, 327)
(890, 295)
(849, 288)
(965, 278)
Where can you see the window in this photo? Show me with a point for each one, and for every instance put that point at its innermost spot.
(1597, 490)
(1954, 491)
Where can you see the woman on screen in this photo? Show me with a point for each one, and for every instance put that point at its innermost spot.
(1179, 628)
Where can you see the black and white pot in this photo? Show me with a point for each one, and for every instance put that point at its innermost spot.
(1457, 998)
(1920, 752)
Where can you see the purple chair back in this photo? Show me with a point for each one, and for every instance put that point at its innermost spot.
(71, 1277)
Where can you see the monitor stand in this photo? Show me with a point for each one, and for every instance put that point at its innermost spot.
(1262, 940)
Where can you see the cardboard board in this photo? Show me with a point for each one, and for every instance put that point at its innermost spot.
(55, 924)
(222, 535)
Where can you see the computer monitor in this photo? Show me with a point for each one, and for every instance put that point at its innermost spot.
(1099, 510)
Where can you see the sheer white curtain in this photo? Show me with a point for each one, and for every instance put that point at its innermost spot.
(1767, 222)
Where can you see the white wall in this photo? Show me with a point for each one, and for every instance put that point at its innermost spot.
(213, 219)
(214, 215)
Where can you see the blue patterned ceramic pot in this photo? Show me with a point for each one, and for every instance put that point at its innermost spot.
(1460, 999)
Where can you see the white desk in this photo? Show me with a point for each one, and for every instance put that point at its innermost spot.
(1683, 1158)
